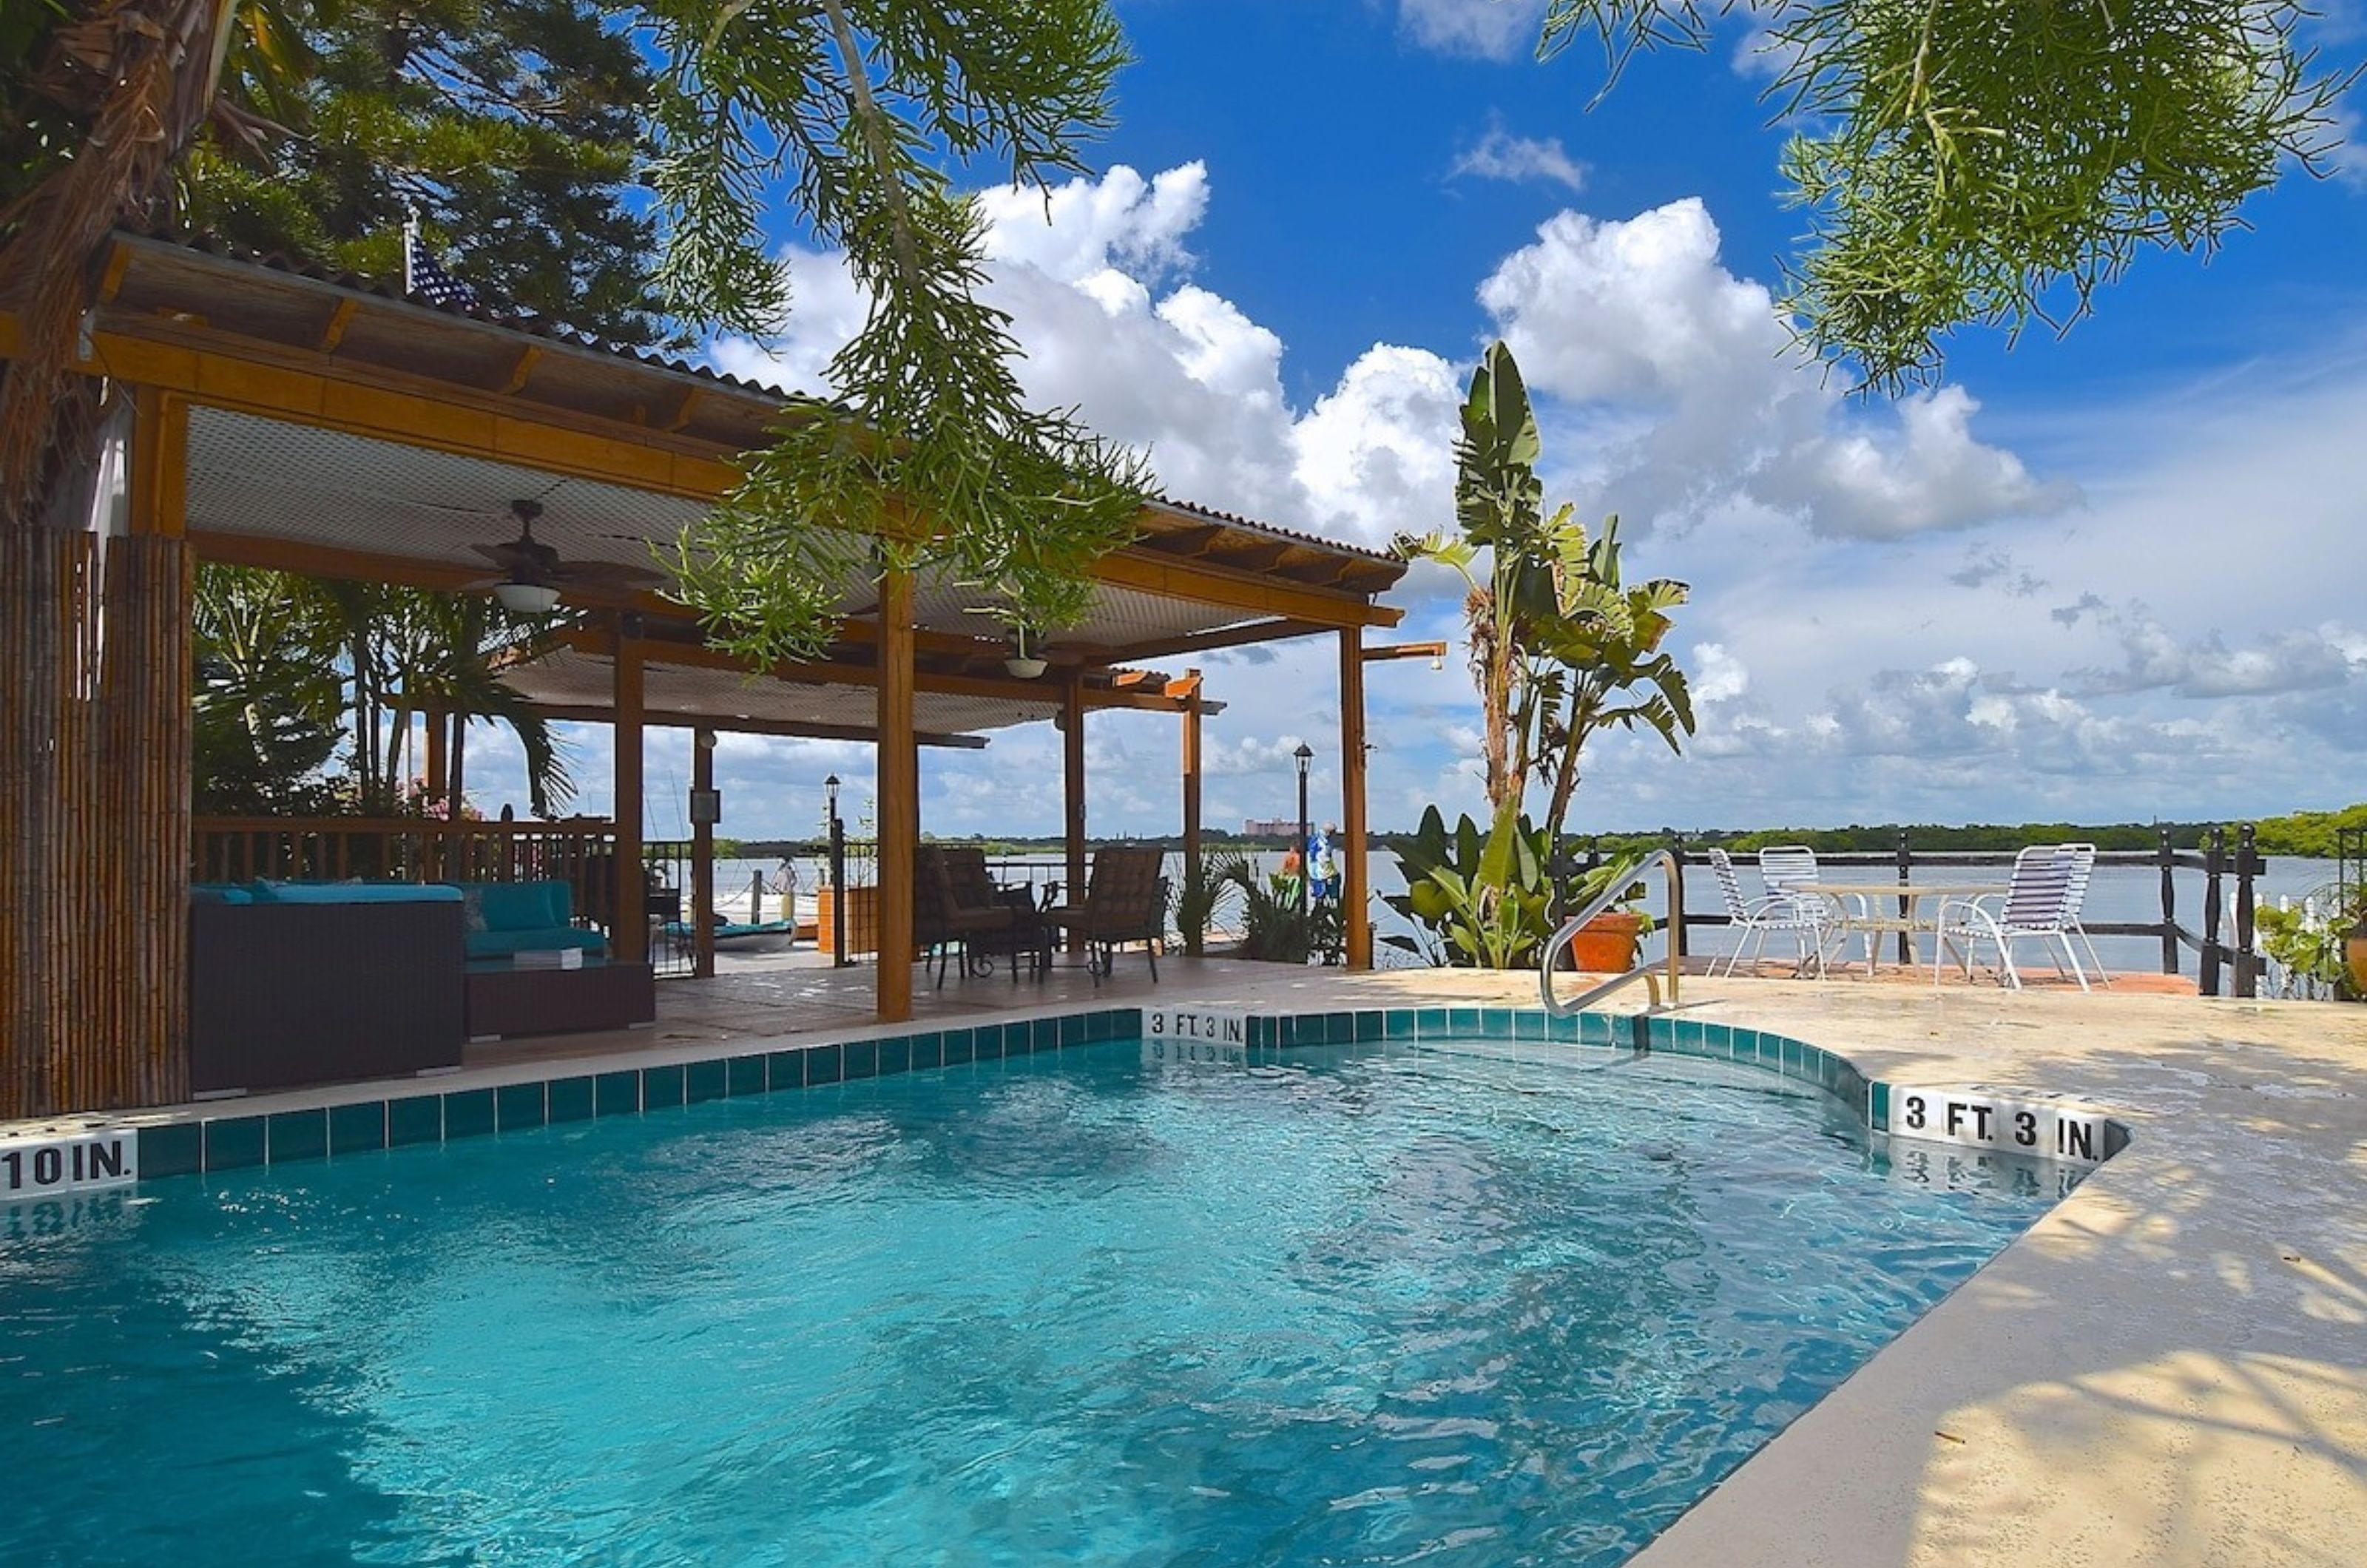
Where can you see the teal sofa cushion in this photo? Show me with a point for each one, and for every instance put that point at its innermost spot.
(353, 893)
(522, 905)
(548, 939)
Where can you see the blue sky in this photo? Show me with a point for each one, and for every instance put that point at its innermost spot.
(2105, 577)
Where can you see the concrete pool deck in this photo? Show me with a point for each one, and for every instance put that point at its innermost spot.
(2169, 1368)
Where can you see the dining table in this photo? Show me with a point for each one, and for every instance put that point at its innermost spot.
(1871, 909)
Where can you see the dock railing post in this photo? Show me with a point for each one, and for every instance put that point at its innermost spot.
(2168, 907)
(1677, 896)
(1906, 905)
(2248, 973)
(755, 898)
(2214, 854)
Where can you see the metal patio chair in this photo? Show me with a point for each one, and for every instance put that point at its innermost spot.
(1803, 916)
(2037, 907)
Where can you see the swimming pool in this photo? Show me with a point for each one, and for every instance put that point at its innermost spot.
(1480, 1304)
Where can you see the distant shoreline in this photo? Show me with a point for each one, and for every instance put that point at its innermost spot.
(2307, 834)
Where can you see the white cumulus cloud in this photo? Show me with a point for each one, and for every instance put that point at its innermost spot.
(1715, 405)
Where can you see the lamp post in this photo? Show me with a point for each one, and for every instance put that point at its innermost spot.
(1306, 755)
(837, 875)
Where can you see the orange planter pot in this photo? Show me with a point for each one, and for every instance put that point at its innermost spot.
(1606, 944)
(2354, 959)
(862, 921)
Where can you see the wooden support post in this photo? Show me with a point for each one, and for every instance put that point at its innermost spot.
(1356, 883)
(702, 856)
(1677, 947)
(1072, 791)
(2169, 906)
(1906, 905)
(628, 920)
(900, 797)
(1192, 870)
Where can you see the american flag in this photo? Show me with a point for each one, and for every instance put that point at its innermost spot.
(426, 278)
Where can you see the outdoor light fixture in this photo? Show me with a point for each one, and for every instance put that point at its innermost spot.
(1021, 666)
(1306, 755)
(526, 598)
(830, 793)
(1438, 661)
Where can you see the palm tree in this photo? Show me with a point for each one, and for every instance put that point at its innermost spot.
(409, 651)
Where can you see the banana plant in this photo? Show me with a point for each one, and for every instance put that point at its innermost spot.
(1477, 900)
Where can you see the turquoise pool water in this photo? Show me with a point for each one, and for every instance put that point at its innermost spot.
(1369, 1306)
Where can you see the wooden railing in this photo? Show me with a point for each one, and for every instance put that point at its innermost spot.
(2230, 872)
(399, 849)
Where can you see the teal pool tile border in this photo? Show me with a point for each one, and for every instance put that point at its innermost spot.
(196, 1144)
(1677, 1036)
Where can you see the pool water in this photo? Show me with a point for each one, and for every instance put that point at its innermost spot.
(1472, 1306)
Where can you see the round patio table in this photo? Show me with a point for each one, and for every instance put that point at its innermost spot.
(1863, 921)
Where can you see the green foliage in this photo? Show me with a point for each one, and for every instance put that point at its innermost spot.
(2307, 833)
(2306, 945)
(1478, 900)
(514, 126)
(266, 704)
(1995, 162)
(1272, 929)
(933, 457)
(1562, 650)
(1198, 898)
(283, 664)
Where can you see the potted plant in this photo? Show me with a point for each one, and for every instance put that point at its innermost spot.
(2354, 943)
(1608, 944)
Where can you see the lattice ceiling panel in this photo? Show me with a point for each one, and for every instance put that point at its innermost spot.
(293, 481)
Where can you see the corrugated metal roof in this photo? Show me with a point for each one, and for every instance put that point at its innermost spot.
(1234, 520)
(533, 326)
(216, 246)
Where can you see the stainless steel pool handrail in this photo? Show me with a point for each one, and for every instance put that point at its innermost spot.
(1644, 972)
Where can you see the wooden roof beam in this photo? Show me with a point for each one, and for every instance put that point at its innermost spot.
(592, 713)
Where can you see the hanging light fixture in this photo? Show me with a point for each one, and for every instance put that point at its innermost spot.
(526, 598)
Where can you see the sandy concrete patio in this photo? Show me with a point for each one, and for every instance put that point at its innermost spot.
(2169, 1368)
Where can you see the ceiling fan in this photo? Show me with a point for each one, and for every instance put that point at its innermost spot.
(535, 573)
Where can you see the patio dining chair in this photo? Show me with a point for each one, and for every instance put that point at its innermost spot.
(943, 927)
(2083, 866)
(2037, 906)
(1126, 901)
(1803, 918)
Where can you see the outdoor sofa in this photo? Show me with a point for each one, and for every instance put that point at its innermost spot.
(304, 983)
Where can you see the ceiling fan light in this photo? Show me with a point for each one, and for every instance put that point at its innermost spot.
(526, 598)
(1023, 669)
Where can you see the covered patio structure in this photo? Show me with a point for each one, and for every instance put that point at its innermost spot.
(319, 424)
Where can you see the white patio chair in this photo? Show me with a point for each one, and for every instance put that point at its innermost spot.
(1801, 915)
(2083, 866)
(2035, 906)
(1783, 867)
